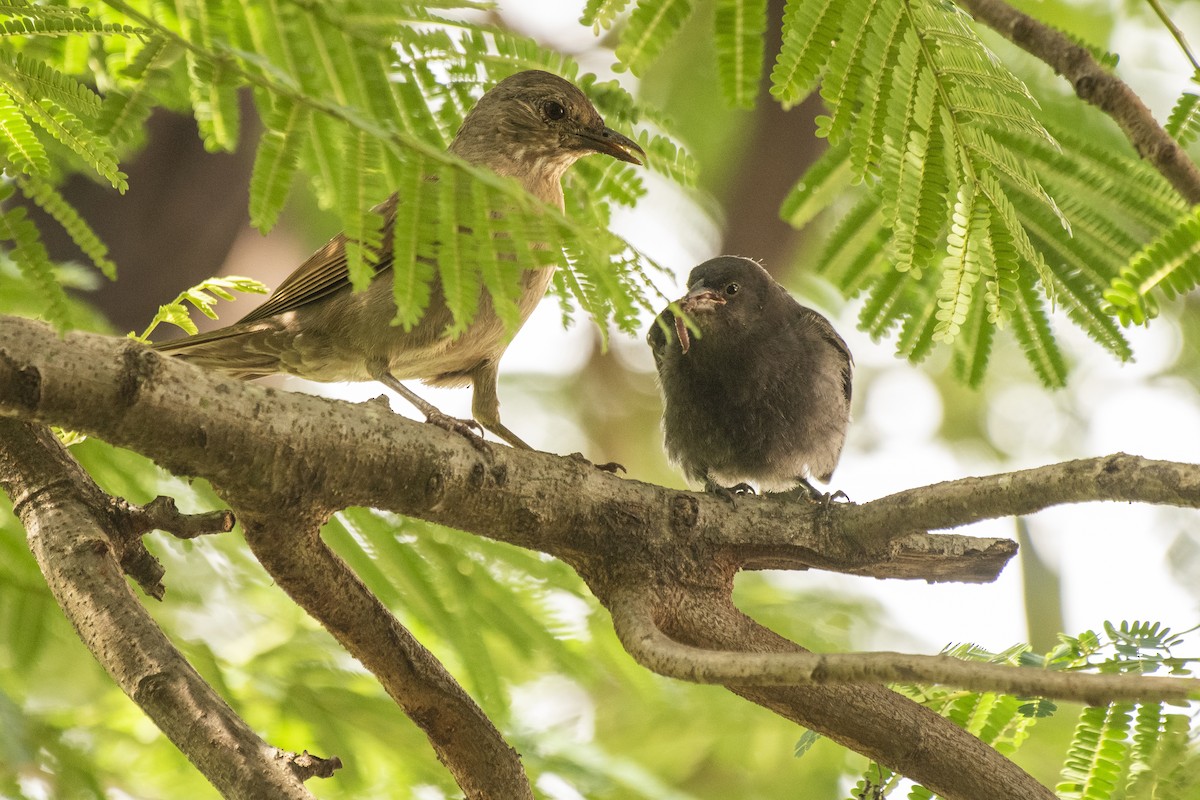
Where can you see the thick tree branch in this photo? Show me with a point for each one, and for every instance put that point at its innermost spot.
(465, 740)
(67, 519)
(263, 445)
(633, 618)
(868, 718)
(1093, 84)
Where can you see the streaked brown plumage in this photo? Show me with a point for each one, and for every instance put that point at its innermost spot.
(531, 126)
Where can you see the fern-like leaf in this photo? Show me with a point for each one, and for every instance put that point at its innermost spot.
(1168, 266)
(275, 163)
(29, 254)
(963, 265)
(20, 144)
(601, 14)
(822, 183)
(125, 110)
(739, 29)
(358, 191)
(203, 297)
(41, 80)
(71, 132)
(460, 278)
(651, 26)
(54, 204)
(856, 249)
(1184, 121)
(1032, 329)
(809, 28)
(412, 258)
(1095, 761)
(846, 70)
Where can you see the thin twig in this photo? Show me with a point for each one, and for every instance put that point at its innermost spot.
(1095, 85)
(1175, 31)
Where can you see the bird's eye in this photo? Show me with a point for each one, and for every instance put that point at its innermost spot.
(554, 110)
(732, 289)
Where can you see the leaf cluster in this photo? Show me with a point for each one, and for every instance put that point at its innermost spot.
(977, 210)
(1122, 750)
(358, 98)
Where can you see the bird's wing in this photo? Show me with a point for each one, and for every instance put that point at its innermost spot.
(826, 331)
(324, 273)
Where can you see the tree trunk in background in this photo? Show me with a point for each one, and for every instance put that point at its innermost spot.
(779, 147)
(175, 225)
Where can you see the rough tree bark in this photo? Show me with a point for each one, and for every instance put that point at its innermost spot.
(661, 560)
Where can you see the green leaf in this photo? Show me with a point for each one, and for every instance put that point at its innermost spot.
(809, 29)
(275, 163)
(601, 14)
(1184, 122)
(27, 250)
(21, 147)
(1167, 266)
(1032, 329)
(739, 29)
(54, 204)
(651, 26)
(203, 296)
(825, 180)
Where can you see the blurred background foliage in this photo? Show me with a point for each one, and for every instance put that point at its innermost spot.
(520, 631)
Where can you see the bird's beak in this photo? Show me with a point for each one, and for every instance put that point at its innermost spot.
(701, 299)
(609, 142)
(698, 299)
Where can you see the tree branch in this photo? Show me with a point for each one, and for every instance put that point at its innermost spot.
(66, 516)
(262, 445)
(658, 652)
(868, 718)
(1093, 84)
(288, 546)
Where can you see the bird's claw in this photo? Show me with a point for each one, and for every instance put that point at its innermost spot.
(729, 494)
(806, 492)
(469, 429)
(610, 466)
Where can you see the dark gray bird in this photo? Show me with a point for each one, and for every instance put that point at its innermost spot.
(531, 126)
(762, 396)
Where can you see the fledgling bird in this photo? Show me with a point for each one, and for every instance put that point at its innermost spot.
(531, 126)
(762, 396)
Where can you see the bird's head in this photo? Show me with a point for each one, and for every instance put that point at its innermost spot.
(725, 297)
(532, 126)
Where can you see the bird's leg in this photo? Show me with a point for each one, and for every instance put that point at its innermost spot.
(485, 407)
(464, 427)
(485, 404)
(729, 494)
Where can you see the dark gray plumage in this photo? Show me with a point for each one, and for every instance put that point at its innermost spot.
(762, 396)
(531, 126)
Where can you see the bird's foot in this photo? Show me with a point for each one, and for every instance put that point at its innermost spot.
(609, 466)
(729, 494)
(808, 493)
(469, 429)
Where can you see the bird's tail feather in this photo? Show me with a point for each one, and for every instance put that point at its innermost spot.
(231, 350)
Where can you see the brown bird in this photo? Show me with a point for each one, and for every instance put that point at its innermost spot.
(531, 126)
